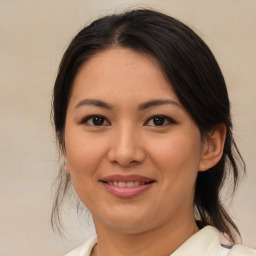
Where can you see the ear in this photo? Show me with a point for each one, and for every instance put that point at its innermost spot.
(213, 146)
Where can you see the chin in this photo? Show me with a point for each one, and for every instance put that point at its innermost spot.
(126, 222)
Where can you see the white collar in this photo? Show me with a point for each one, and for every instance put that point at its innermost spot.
(203, 243)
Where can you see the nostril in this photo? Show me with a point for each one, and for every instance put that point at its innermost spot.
(126, 155)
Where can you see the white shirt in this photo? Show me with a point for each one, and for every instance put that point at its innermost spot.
(223, 251)
(205, 242)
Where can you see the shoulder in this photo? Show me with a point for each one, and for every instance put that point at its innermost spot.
(84, 249)
(241, 250)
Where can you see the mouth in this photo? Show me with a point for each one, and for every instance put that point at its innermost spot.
(128, 186)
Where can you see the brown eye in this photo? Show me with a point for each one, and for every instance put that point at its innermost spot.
(95, 120)
(160, 120)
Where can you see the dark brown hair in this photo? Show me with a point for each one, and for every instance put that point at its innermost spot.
(196, 78)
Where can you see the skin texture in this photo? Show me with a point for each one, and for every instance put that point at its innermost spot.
(128, 141)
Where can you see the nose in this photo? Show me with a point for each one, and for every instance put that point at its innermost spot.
(126, 147)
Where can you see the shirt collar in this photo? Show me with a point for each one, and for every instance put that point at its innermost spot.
(203, 243)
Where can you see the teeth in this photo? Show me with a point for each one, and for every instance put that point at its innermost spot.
(122, 184)
(129, 184)
(136, 183)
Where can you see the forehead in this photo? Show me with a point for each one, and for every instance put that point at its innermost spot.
(121, 73)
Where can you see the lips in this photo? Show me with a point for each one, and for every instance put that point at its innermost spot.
(126, 186)
(126, 178)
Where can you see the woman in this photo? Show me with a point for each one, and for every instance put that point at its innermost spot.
(142, 118)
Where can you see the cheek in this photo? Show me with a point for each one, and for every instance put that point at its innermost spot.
(177, 149)
(177, 157)
(84, 152)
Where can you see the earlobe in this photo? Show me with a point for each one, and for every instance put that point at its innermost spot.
(66, 165)
(213, 147)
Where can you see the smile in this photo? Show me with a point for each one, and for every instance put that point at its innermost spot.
(128, 186)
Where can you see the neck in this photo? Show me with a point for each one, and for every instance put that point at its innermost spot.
(162, 241)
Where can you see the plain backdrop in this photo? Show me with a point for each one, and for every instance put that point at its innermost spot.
(33, 37)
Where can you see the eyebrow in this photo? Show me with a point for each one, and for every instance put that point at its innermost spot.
(157, 102)
(142, 106)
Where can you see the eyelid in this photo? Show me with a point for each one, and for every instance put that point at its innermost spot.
(170, 120)
(85, 120)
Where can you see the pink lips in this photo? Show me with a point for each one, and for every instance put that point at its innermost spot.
(127, 192)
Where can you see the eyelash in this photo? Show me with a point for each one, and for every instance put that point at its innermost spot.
(90, 117)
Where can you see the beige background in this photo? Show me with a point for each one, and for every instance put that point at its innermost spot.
(33, 37)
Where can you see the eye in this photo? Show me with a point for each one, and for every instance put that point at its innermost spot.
(160, 120)
(95, 120)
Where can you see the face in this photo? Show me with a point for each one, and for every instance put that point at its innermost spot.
(133, 150)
